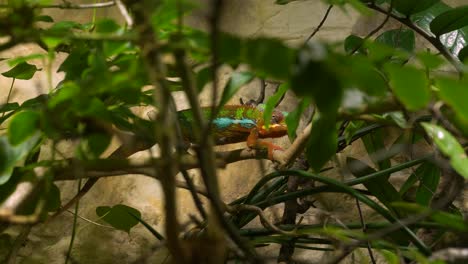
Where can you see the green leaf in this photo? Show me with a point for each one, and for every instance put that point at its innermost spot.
(463, 55)
(410, 85)
(53, 201)
(65, 26)
(293, 118)
(119, 216)
(57, 33)
(374, 143)
(449, 146)
(323, 141)
(351, 129)
(431, 61)
(429, 175)
(389, 256)
(450, 20)
(237, 80)
(17, 60)
(447, 143)
(271, 103)
(148, 227)
(449, 220)
(353, 42)
(314, 77)
(454, 93)
(398, 38)
(22, 126)
(203, 77)
(230, 49)
(67, 92)
(10, 155)
(98, 143)
(44, 18)
(359, 72)
(167, 12)
(22, 71)
(270, 57)
(75, 64)
(455, 40)
(283, 2)
(411, 7)
(8, 107)
(379, 187)
(410, 181)
(106, 26)
(460, 165)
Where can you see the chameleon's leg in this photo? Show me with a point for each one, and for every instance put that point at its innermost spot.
(254, 142)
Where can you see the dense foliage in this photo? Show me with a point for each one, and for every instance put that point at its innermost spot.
(359, 87)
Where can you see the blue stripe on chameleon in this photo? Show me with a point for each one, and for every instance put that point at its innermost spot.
(225, 122)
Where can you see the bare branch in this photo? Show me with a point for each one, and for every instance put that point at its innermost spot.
(124, 12)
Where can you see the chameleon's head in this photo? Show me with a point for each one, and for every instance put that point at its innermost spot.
(277, 126)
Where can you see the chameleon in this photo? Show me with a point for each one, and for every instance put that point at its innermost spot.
(233, 124)
(239, 123)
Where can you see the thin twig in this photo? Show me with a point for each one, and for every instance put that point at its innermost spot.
(192, 188)
(379, 27)
(89, 221)
(364, 229)
(263, 219)
(75, 218)
(9, 94)
(320, 24)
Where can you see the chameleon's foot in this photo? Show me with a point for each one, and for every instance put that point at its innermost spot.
(269, 146)
(271, 149)
(254, 142)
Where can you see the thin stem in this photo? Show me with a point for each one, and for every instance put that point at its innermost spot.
(320, 24)
(193, 192)
(75, 218)
(379, 27)
(9, 94)
(364, 229)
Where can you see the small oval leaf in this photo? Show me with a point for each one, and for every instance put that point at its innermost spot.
(398, 38)
(22, 126)
(22, 71)
(119, 216)
(450, 20)
(237, 80)
(409, 7)
(449, 146)
(454, 93)
(447, 143)
(463, 55)
(410, 85)
(323, 141)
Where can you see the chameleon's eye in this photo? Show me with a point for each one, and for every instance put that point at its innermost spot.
(277, 117)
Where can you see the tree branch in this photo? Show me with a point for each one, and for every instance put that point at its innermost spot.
(428, 36)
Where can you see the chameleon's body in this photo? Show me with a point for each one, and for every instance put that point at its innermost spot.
(238, 123)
